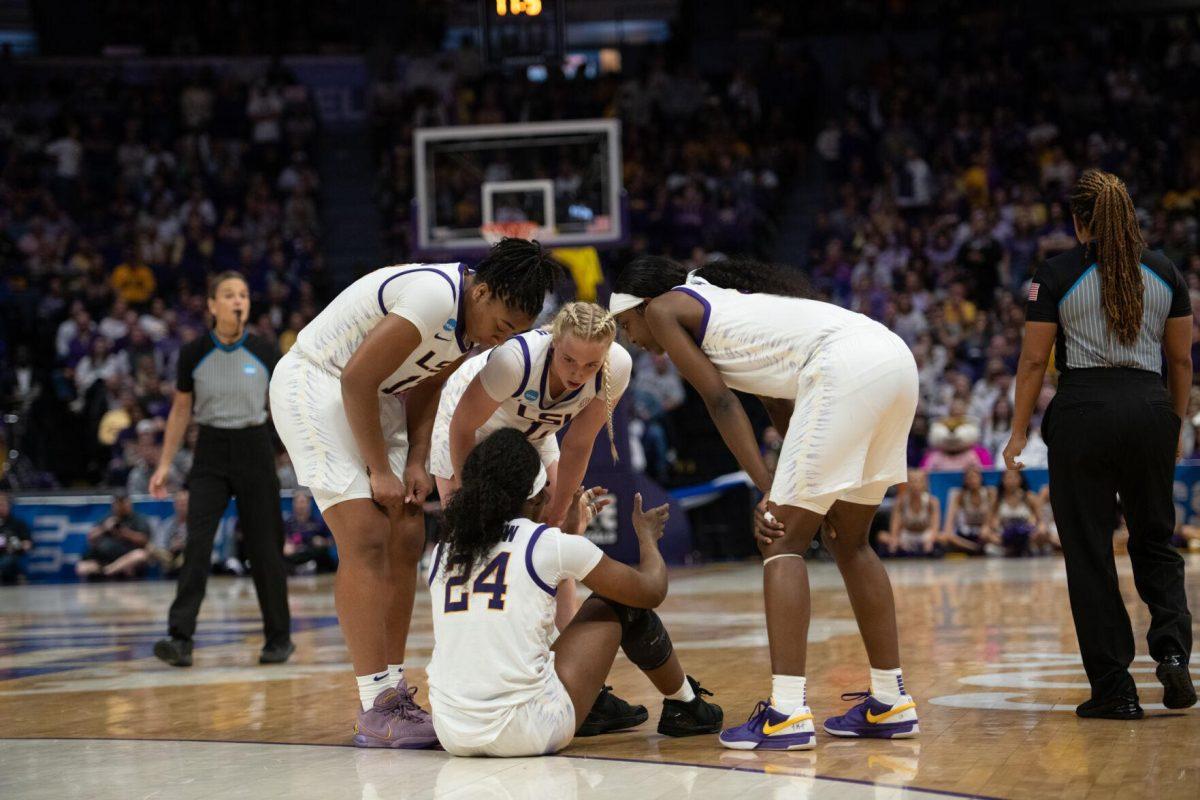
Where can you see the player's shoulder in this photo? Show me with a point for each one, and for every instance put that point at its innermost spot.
(619, 356)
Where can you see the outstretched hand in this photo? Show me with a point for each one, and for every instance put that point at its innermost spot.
(650, 524)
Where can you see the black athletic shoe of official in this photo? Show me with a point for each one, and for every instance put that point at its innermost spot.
(1119, 707)
(176, 652)
(692, 718)
(610, 713)
(277, 654)
(1178, 689)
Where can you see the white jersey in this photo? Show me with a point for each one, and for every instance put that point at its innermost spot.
(492, 629)
(430, 296)
(516, 374)
(760, 342)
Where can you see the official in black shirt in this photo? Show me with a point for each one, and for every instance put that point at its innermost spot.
(222, 382)
(1109, 308)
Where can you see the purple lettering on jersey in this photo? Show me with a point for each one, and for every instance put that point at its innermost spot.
(412, 380)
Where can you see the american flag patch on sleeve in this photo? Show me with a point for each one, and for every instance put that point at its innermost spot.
(1033, 291)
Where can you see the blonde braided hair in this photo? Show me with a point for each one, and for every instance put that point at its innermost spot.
(591, 323)
(1101, 202)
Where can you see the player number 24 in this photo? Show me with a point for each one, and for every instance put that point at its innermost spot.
(492, 580)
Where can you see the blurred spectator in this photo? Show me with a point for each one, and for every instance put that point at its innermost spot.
(1016, 516)
(916, 519)
(170, 536)
(15, 542)
(117, 546)
(307, 542)
(657, 391)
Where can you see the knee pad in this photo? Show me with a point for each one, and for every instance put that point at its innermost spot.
(643, 637)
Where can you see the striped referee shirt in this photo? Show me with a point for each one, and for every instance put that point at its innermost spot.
(1066, 291)
(229, 381)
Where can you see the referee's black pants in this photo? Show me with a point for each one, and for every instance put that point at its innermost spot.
(1113, 431)
(238, 463)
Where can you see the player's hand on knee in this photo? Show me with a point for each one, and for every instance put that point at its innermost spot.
(387, 490)
(766, 528)
(649, 524)
(419, 483)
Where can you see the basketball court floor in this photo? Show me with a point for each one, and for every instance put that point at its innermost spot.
(989, 650)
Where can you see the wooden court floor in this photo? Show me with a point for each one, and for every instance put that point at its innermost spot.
(988, 647)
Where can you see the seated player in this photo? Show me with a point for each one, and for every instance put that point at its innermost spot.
(497, 686)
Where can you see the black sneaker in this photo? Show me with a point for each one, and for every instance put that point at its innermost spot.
(693, 717)
(610, 713)
(1178, 691)
(1119, 707)
(176, 652)
(276, 653)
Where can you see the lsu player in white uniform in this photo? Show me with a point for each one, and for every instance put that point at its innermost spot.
(354, 402)
(497, 686)
(842, 389)
(539, 382)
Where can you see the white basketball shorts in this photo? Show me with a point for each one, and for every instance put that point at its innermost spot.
(306, 406)
(540, 726)
(848, 435)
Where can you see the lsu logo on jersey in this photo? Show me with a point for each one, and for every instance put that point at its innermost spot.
(531, 395)
(555, 418)
(426, 363)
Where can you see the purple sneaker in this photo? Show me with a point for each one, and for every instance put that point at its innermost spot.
(769, 729)
(395, 721)
(872, 719)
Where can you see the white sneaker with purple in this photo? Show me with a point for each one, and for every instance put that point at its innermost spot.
(874, 719)
(771, 729)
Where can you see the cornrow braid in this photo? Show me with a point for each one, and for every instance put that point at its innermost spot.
(520, 272)
(591, 323)
(1102, 203)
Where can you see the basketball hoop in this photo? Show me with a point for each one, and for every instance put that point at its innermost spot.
(493, 232)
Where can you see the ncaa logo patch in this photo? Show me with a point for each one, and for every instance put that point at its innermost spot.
(531, 395)
(450, 325)
(249, 369)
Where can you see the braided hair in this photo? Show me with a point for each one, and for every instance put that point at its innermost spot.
(1101, 202)
(520, 272)
(496, 479)
(650, 276)
(591, 323)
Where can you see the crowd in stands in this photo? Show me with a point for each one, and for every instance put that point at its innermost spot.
(118, 198)
(945, 178)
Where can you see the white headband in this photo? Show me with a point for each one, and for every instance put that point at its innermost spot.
(623, 302)
(539, 482)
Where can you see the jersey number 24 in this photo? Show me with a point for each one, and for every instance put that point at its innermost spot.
(492, 580)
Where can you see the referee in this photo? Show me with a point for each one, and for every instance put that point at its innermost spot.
(222, 380)
(1110, 307)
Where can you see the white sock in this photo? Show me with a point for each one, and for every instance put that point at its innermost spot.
(684, 693)
(371, 686)
(789, 692)
(887, 685)
(395, 674)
